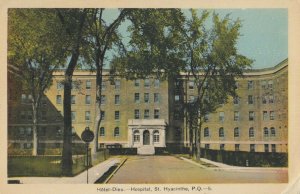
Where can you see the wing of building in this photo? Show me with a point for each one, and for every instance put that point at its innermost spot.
(147, 114)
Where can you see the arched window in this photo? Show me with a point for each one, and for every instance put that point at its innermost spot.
(117, 132)
(236, 132)
(156, 137)
(273, 132)
(251, 132)
(221, 132)
(206, 132)
(136, 136)
(266, 132)
(102, 131)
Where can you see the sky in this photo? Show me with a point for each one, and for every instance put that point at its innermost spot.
(264, 33)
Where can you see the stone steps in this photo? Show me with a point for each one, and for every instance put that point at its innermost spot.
(146, 150)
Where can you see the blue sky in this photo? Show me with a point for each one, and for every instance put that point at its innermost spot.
(264, 33)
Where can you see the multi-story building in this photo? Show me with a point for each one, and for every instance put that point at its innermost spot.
(149, 113)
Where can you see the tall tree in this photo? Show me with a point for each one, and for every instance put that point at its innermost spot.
(102, 37)
(213, 63)
(73, 22)
(34, 52)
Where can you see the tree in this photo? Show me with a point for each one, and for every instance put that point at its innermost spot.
(101, 37)
(213, 63)
(34, 52)
(73, 22)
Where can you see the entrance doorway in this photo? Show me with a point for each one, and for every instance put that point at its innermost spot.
(146, 138)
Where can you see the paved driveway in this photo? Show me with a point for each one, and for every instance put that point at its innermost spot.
(169, 169)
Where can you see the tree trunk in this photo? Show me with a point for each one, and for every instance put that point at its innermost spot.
(34, 130)
(67, 137)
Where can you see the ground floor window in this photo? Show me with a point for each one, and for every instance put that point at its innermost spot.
(266, 147)
(252, 147)
(117, 132)
(222, 146)
(102, 131)
(237, 147)
(206, 146)
(156, 137)
(273, 147)
(136, 136)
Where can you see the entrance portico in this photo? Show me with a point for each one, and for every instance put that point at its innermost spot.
(148, 133)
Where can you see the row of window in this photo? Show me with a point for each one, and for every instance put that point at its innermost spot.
(116, 83)
(252, 147)
(236, 116)
(115, 134)
(236, 133)
(136, 136)
(41, 131)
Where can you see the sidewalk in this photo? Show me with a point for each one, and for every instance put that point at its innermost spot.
(94, 174)
(221, 166)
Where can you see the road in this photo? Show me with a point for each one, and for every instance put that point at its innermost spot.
(169, 169)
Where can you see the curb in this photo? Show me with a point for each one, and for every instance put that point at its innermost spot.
(115, 171)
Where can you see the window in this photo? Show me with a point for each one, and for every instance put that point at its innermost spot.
(87, 115)
(73, 115)
(236, 115)
(237, 147)
(73, 131)
(192, 98)
(271, 99)
(136, 83)
(206, 146)
(273, 132)
(103, 85)
(206, 132)
(176, 115)
(117, 115)
(250, 84)
(146, 114)
(251, 116)
(29, 115)
(88, 84)
(221, 132)
(23, 98)
(73, 99)
(251, 132)
(102, 131)
(177, 98)
(117, 99)
(23, 114)
(21, 131)
(263, 84)
(29, 98)
(264, 99)
(270, 84)
(58, 131)
(102, 99)
(236, 132)
(146, 97)
(206, 117)
(136, 136)
(266, 132)
(236, 100)
(28, 131)
(59, 86)
(156, 113)
(265, 115)
(221, 116)
(42, 131)
(87, 99)
(252, 147)
(156, 137)
(273, 147)
(117, 84)
(266, 147)
(191, 85)
(27, 145)
(156, 97)
(156, 83)
(102, 115)
(146, 83)
(222, 146)
(136, 114)
(136, 97)
(250, 99)
(272, 115)
(117, 132)
(58, 99)
(44, 115)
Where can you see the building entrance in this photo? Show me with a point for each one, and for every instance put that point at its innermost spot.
(146, 138)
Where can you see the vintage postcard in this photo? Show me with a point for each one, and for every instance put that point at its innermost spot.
(150, 97)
